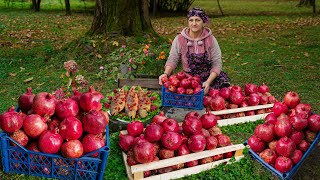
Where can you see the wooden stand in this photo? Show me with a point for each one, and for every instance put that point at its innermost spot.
(136, 172)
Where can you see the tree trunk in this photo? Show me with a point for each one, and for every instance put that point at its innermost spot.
(220, 7)
(68, 9)
(34, 4)
(123, 17)
(37, 8)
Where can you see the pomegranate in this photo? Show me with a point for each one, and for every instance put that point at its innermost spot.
(310, 136)
(279, 108)
(72, 149)
(303, 146)
(250, 88)
(34, 126)
(256, 144)
(144, 152)
(214, 131)
(211, 142)
(181, 90)
(298, 122)
(191, 163)
(192, 115)
(135, 128)
(125, 142)
(185, 83)
(33, 147)
(153, 132)
(50, 141)
(235, 88)
(283, 128)
(191, 126)
(139, 139)
(217, 103)
(66, 107)
(44, 104)
(181, 75)
(91, 142)
(70, 128)
(263, 99)
(283, 164)
(285, 147)
(171, 140)
(291, 99)
(53, 124)
(166, 153)
(213, 92)
(303, 109)
(297, 137)
(236, 97)
(206, 101)
(20, 137)
(25, 100)
(223, 140)
(11, 121)
(91, 100)
(263, 88)
(296, 156)
(253, 99)
(159, 118)
(205, 133)
(314, 122)
(205, 160)
(269, 156)
(170, 124)
(271, 99)
(183, 150)
(217, 157)
(272, 144)
(270, 118)
(76, 95)
(225, 93)
(228, 154)
(94, 122)
(265, 132)
(208, 120)
(197, 143)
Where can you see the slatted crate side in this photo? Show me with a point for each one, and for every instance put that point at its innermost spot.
(136, 171)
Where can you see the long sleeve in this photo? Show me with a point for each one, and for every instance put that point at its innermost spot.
(174, 55)
(216, 62)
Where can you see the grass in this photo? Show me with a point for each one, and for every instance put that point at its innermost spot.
(262, 41)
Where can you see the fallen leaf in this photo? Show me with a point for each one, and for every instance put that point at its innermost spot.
(115, 43)
(12, 74)
(238, 54)
(28, 79)
(98, 56)
(22, 69)
(40, 84)
(306, 54)
(244, 63)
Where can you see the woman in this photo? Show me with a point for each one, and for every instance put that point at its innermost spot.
(199, 53)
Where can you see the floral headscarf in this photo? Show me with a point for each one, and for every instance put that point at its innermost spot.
(198, 12)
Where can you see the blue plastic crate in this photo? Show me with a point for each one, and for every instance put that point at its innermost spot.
(194, 101)
(295, 168)
(19, 160)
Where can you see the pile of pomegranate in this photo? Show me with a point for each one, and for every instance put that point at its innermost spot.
(164, 138)
(286, 134)
(48, 123)
(182, 83)
(235, 97)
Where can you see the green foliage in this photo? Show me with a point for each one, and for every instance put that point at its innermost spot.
(175, 5)
(128, 62)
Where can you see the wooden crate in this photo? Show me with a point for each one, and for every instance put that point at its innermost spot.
(136, 172)
(231, 121)
(179, 114)
(150, 83)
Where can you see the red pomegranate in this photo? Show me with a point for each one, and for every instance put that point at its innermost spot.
(91, 100)
(94, 122)
(66, 108)
(269, 156)
(72, 149)
(70, 128)
(91, 142)
(50, 142)
(34, 126)
(25, 100)
(171, 140)
(44, 104)
(197, 143)
(11, 121)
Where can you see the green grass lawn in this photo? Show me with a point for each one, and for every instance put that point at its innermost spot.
(270, 42)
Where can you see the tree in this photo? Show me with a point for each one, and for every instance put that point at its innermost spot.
(68, 9)
(308, 3)
(36, 5)
(122, 17)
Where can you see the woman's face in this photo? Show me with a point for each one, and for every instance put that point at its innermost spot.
(195, 24)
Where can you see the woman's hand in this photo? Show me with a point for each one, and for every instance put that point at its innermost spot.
(206, 86)
(163, 78)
